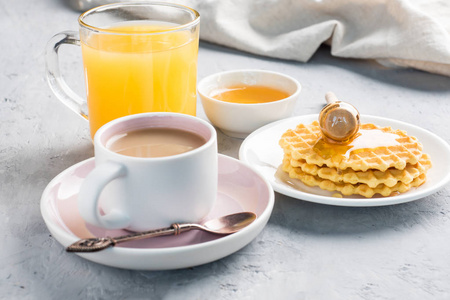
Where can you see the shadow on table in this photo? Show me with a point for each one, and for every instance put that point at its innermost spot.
(409, 78)
(319, 219)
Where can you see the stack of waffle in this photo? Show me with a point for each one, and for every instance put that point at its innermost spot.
(385, 170)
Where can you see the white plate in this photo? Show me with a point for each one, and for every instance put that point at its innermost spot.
(240, 189)
(261, 150)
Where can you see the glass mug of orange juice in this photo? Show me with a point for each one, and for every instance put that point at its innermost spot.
(138, 57)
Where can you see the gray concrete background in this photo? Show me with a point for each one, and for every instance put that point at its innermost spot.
(307, 250)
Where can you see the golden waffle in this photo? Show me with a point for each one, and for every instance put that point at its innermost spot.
(370, 177)
(348, 189)
(305, 143)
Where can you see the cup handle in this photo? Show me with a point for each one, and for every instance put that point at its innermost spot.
(54, 77)
(89, 194)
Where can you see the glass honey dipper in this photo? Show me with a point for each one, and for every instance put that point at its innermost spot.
(338, 121)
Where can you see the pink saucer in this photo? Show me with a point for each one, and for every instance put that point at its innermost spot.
(240, 189)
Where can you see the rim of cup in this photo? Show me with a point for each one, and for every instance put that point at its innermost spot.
(101, 138)
(101, 8)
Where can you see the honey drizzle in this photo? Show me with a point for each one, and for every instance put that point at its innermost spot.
(365, 139)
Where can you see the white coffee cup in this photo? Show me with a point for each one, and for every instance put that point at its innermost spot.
(143, 193)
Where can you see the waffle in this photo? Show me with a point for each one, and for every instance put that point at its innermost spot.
(379, 160)
(348, 189)
(370, 177)
(302, 144)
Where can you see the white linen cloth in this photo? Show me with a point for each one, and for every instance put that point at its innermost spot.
(406, 33)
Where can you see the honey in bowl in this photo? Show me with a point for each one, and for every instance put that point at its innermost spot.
(249, 94)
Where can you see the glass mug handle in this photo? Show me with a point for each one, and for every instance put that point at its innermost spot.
(57, 83)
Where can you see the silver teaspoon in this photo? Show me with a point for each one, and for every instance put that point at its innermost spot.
(223, 225)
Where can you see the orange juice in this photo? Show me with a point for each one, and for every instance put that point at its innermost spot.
(249, 94)
(136, 67)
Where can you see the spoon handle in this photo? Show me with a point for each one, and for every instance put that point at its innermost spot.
(97, 244)
(146, 234)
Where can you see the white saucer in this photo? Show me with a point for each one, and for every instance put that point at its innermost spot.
(240, 189)
(261, 150)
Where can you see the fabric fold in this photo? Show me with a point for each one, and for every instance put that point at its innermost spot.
(401, 33)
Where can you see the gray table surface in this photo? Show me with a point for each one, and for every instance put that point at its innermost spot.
(306, 251)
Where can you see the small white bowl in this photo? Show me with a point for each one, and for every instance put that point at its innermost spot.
(239, 120)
